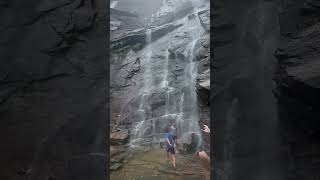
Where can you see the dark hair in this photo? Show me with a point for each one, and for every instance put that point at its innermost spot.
(168, 129)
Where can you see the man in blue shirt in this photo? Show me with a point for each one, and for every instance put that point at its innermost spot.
(170, 147)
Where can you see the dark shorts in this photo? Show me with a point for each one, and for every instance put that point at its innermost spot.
(170, 149)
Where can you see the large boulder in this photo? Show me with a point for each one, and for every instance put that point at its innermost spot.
(119, 138)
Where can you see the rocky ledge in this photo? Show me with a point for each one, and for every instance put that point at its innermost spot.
(138, 37)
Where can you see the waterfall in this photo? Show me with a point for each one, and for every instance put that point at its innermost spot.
(190, 119)
(179, 98)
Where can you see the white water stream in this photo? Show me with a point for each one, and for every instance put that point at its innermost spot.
(180, 101)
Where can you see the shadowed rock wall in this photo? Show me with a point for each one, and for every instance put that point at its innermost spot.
(265, 89)
(53, 89)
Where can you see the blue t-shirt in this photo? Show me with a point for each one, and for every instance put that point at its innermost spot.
(170, 137)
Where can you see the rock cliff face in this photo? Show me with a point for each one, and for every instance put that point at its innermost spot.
(246, 137)
(53, 83)
(265, 89)
(298, 81)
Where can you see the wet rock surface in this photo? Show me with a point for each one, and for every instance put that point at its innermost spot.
(244, 39)
(53, 89)
(298, 88)
(138, 36)
(204, 17)
(290, 32)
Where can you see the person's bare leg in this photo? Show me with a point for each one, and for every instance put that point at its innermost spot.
(204, 159)
(174, 160)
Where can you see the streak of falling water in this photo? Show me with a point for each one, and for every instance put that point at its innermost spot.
(113, 4)
(180, 117)
(188, 118)
(165, 81)
(147, 63)
(138, 129)
(195, 31)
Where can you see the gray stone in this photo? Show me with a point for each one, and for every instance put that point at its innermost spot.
(204, 17)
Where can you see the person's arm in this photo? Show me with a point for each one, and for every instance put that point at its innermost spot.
(168, 141)
(206, 129)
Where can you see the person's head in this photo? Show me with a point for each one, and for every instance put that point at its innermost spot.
(168, 129)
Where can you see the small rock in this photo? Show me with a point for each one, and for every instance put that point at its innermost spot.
(115, 167)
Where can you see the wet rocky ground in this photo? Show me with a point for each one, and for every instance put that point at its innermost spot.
(152, 164)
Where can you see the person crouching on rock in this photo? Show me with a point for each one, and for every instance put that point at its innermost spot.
(170, 147)
(205, 159)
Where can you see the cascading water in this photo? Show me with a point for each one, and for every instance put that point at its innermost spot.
(138, 132)
(147, 74)
(190, 119)
(180, 101)
(163, 93)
